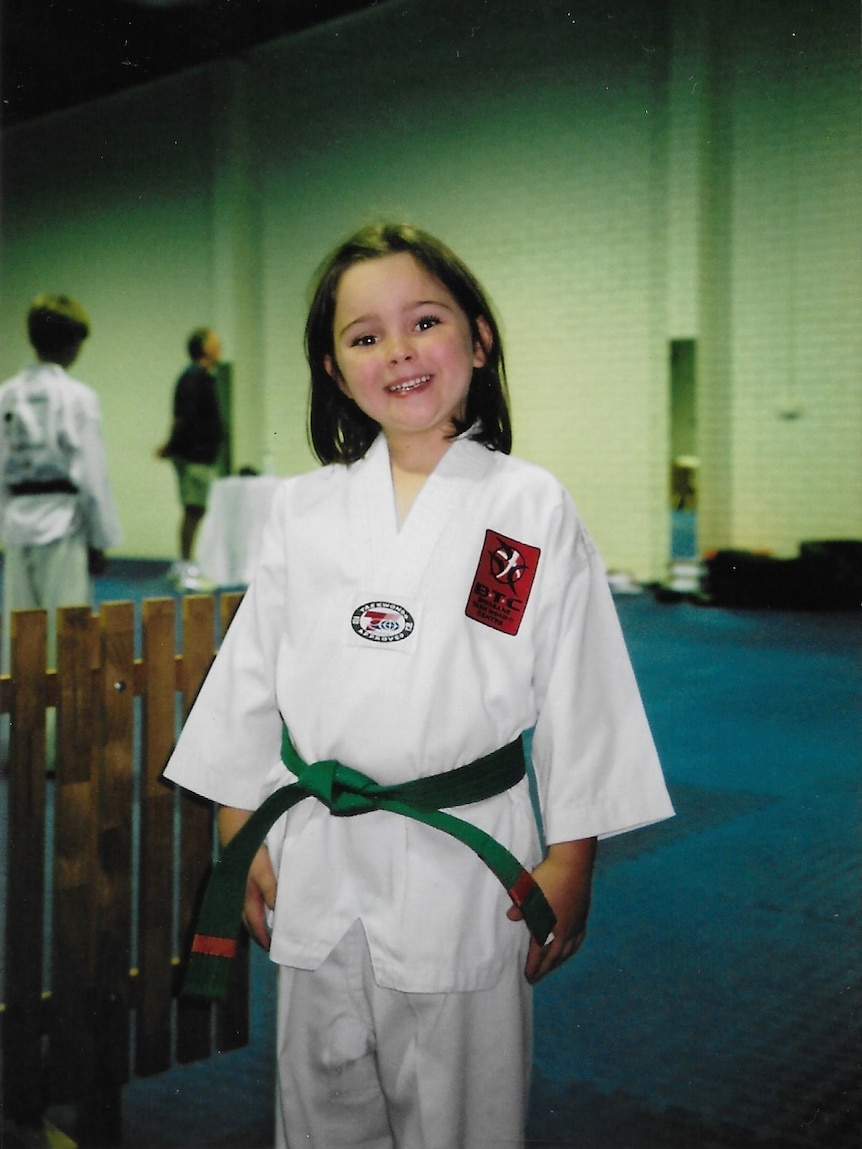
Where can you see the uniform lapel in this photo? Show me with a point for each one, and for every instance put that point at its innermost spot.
(401, 557)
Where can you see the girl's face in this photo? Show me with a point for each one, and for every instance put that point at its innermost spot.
(404, 352)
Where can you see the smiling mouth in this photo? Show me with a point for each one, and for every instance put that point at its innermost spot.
(408, 385)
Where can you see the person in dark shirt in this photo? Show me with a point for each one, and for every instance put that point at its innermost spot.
(193, 446)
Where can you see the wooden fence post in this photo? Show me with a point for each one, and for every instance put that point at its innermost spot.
(23, 1078)
(76, 797)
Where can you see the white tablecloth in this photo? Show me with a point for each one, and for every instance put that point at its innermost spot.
(230, 536)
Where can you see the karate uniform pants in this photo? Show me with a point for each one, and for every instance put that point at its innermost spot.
(360, 1067)
(45, 577)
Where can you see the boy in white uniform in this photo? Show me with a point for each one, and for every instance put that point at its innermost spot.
(57, 513)
(421, 601)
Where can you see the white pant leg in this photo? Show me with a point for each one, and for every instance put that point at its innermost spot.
(456, 1067)
(362, 1067)
(19, 587)
(45, 577)
(64, 581)
(19, 592)
(328, 1093)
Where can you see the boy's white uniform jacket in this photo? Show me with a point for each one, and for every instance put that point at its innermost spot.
(393, 652)
(50, 429)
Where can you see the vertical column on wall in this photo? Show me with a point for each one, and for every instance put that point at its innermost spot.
(687, 91)
(715, 398)
(786, 477)
(658, 427)
(237, 295)
(683, 247)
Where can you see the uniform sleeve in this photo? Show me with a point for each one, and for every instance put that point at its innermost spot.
(232, 737)
(90, 473)
(596, 765)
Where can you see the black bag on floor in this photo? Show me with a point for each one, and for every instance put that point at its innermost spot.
(826, 576)
(837, 568)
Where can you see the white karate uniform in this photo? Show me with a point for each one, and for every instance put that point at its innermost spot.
(308, 646)
(50, 429)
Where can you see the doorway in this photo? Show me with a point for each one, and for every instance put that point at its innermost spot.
(684, 465)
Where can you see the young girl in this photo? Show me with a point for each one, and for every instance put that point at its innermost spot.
(421, 601)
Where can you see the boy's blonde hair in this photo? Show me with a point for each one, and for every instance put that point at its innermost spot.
(56, 323)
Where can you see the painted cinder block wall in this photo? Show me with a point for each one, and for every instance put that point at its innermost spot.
(533, 142)
(619, 175)
(796, 282)
(780, 276)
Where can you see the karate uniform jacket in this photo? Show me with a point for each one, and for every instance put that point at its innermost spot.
(51, 429)
(405, 653)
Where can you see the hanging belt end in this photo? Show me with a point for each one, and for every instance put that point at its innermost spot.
(208, 973)
(531, 901)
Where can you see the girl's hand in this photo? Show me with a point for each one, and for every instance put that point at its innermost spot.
(260, 893)
(261, 886)
(565, 877)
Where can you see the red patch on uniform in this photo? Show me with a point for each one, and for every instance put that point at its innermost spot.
(502, 583)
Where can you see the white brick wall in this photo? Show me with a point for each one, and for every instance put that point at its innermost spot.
(617, 181)
(531, 142)
(794, 433)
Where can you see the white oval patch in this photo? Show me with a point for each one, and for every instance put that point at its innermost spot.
(382, 622)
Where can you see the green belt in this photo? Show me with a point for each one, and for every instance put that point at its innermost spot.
(347, 792)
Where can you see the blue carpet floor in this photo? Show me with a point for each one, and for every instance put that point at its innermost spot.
(717, 1003)
(718, 1000)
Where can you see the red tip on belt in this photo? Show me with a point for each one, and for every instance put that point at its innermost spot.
(522, 888)
(215, 947)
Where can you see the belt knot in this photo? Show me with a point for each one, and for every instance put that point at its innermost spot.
(343, 790)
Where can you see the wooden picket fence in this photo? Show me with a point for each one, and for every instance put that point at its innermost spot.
(94, 940)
